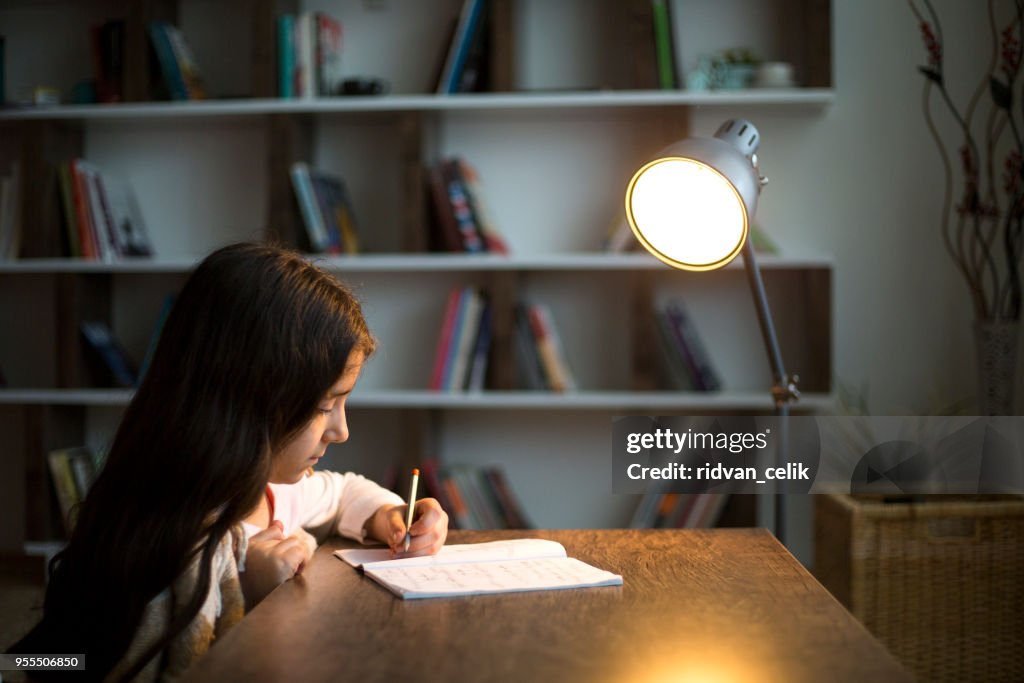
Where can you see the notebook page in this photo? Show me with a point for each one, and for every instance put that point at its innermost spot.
(491, 551)
(479, 578)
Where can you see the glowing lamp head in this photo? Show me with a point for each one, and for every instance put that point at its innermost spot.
(691, 206)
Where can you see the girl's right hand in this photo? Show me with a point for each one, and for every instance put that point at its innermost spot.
(270, 560)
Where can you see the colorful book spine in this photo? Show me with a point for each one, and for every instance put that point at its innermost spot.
(451, 75)
(64, 486)
(311, 216)
(169, 68)
(305, 55)
(328, 54)
(706, 377)
(469, 324)
(663, 45)
(478, 366)
(453, 343)
(286, 56)
(444, 340)
(530, 369)
(471, 240)
(80, 194)
(470, 179)
(191, 78)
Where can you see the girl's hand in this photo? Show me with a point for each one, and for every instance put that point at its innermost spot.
(429, 528)
(270, 560)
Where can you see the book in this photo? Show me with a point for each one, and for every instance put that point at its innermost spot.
(87, 239)
(469, 326)
(173, 79)
(527, 564)
(444, 229)
(124, 217)
(328, 54)
(468, 229)
(512, 511)
(664, 47)
(705, 376)
(154, 338)
(476, 67)
(286, 56)
(336, 212)
(528, 361)
(557, 375)
(191, 78)
(63, 486)
(108, 353)
(481, 352)
(108, 60)
(99, 217)
(444, 339)
(676, 373)
(312, 218)
(10, 213)
(73, 248)
(451, 348)
(465, 31)
(470, 179)
(304, 84)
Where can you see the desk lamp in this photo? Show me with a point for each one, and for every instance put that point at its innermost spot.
(691, 208)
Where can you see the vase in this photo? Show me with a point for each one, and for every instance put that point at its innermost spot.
(996, 343)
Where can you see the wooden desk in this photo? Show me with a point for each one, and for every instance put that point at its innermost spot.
(696, 605)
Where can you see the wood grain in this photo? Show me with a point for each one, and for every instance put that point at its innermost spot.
(695, 605)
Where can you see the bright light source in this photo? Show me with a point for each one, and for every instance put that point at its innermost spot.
(686, 213)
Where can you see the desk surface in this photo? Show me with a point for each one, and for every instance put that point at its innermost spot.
(700, 605)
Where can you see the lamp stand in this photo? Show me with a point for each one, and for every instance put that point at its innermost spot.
(784, 391)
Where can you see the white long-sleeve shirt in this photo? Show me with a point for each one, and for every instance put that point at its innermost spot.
(327, 503)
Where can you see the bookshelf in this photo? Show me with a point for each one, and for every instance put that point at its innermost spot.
(214, 171)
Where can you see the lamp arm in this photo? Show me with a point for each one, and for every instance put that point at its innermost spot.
(784, 391)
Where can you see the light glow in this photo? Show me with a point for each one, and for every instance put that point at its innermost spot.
(686, 213)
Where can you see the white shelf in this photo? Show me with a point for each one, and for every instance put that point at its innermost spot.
(440, 103)
(383, 263)
(488, 400)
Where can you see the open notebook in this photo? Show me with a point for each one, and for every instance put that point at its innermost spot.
(528, 564)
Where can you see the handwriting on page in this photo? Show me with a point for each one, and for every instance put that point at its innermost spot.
(470, 552)
(490, 577)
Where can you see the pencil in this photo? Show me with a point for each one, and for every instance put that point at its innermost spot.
(412, 505)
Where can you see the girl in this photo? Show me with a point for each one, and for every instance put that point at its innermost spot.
(247, 386)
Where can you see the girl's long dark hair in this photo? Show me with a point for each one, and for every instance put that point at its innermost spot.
(255, 339)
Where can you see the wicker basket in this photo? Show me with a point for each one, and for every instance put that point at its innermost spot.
(940, 583)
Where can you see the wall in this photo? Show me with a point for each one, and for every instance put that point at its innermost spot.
(862, 181)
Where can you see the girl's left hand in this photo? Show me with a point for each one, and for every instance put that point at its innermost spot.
(429, 528)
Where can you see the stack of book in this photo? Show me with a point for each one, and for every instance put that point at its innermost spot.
(309, 55)
(326, 210)
(687, 364)
(461, 221)
(72, 471)
(474, 497)
(541, 356)
(663, 510)
(102, 218)
(464, 342)
(178, 68)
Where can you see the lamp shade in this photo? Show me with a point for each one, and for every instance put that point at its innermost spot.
(691, 205)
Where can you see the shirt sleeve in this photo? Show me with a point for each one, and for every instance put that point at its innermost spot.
(331, 502)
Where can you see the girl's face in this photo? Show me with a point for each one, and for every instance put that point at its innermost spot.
(327, 426)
